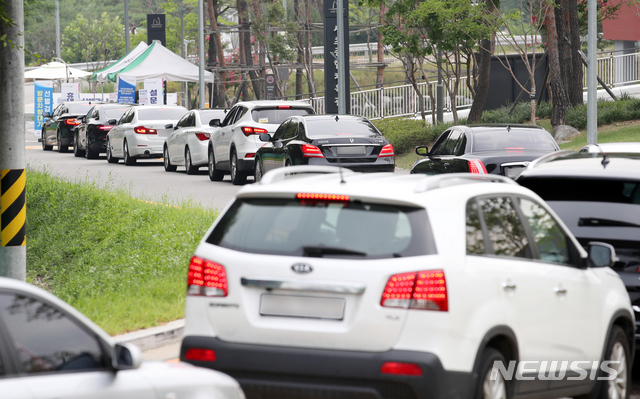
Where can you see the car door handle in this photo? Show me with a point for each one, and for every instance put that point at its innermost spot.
(508, 285)
(560, 290)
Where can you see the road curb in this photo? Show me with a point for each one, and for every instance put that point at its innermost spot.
(154, 337)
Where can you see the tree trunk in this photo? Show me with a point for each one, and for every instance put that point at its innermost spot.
(575, 81)
(380, 72)
(300, 59)
(564, 52)
(557, 89)
(213, 22)
(484, 74)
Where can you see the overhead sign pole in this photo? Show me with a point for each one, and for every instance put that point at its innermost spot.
(13, 206)
(342, 101)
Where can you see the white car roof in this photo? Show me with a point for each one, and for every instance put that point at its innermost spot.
(272, 103)
(626, 147)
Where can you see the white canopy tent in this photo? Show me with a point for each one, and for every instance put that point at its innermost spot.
(159, 62)
(56, 70)
(103, 74)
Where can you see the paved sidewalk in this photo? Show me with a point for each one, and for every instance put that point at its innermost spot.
(157, 343)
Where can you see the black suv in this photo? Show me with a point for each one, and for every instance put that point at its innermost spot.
(598, 197)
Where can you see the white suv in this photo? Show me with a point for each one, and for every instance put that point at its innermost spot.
(232, 147)
(349, 285)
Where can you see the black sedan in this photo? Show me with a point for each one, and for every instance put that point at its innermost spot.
(347, 140)
(498, 149)
(58, 128)
(90, 138)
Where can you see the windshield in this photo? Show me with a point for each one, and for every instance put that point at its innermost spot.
(277, 115)
(341, 127)
(79, 109)
(514, 141)
(324, 229)
(151, 114)
(584, 190)
(115, 113)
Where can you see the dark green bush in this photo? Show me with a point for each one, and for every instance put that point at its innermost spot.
(405, 134)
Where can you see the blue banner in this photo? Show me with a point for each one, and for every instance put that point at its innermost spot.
(126, 90)
(43, 102)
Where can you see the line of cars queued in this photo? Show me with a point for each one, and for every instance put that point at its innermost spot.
(451, 272)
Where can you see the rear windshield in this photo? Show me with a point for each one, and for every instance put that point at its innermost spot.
(341, 127)
(115, 113)
(350, 230)
(587, 190)
(277, 115)
(512, 141)
(79, 109)
(150, 114)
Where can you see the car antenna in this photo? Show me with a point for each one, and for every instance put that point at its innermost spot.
(508, 128)
(605, 161)
(337, 118)
(340, 169)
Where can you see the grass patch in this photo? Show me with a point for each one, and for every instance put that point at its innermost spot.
(405, 134)
(617, 132)
(119, 260)
(406, 161)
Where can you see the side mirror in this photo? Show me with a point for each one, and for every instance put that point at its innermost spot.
(265, 137)
(601, 254)
(214, 123)
(168, 126)
(46, 114)
(126, 356)
(175, 127)
(422, 150)
(112, 122)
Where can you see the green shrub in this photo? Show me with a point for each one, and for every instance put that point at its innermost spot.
(405, 134)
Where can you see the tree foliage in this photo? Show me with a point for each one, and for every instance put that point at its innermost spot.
(95, 41)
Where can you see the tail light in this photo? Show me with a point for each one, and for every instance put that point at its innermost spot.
(399, 368)
(424, 290)
(311, 151)
(284, 106)
(248, 131)
(144, 130)
(203, 136)
(72, 122)
(313, 198)
(105, 127)
(386, 151)
(250, 155)
(199, 354)
(206, 278)
(477, 167)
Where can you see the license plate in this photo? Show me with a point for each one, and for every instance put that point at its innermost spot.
(302, 306)
(359, 150)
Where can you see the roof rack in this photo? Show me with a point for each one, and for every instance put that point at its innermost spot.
(549, 157)
(452, 179)
(300, 171)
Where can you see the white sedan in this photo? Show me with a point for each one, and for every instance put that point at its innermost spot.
(50, 350)
(187, 144)
(141, 131)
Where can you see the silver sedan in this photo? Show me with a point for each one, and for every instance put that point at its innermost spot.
(187, 144)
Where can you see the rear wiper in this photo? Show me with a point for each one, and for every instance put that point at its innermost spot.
(317, 252)
(596, 222)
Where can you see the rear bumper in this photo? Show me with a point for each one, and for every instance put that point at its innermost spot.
(384, 164)
(276, 372)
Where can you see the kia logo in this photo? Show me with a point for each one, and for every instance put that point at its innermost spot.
(302, 268)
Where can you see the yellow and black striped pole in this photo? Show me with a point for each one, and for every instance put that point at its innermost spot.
(13, 206)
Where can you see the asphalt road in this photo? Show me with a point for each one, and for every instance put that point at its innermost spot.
(147, 179)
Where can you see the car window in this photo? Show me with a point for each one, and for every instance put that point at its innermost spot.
(114, 113)
(299, 227)
(183, 121)
(505, 232)
(191, 120)
(342, 127)
(512, 141)
(46, 339)
(291, 130)
(150, 114)
(78, 108)
(280, 131)
(475, 239)
(584, 189)
(241, 112)
(551, 241)
(452, 143)
(438, 147)
(91, 113)
(207, 115)
(277, 115)
(127, 117)
(229, 117)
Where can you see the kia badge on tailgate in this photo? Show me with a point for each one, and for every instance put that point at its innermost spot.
(302, 268)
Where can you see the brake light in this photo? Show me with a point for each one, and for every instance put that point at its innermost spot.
(311, 151)
(248, 131)
(72, 122)
(322, 197)
(477, 167)
(203, 136)
(199, 354)
(144, 130)
(284, 106)
(386, 151)
(250, 155)
(105, 127)
(206, 278)
(399, 368)
(424, 290)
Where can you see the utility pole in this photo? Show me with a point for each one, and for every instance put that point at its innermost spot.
(57, 29)
(342, 100)
(201, 50)
(439, 92)
(127, 43)
(592, 94)
(13, 206)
